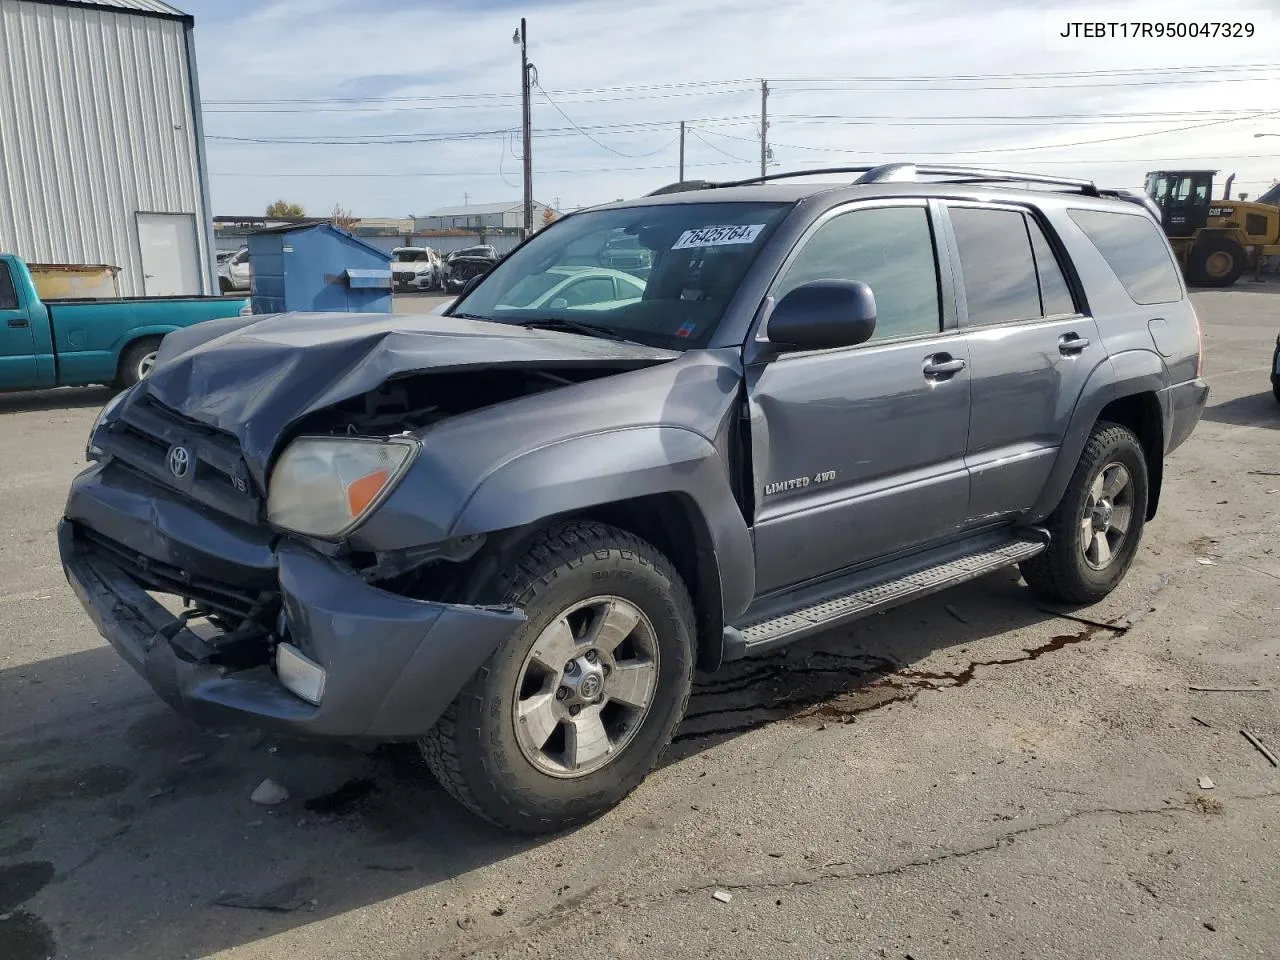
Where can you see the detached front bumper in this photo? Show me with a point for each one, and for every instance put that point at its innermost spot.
(393, 664)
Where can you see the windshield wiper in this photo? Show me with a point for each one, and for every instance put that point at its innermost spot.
(576, 326)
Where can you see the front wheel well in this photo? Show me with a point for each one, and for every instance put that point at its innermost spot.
(1140, 412)
(675, 526)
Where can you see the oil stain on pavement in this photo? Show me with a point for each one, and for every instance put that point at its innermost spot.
(823, 687)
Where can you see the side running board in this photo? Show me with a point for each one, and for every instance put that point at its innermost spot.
(869, 596)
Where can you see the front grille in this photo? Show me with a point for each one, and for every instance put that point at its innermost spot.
(145, 437)
(235, 603)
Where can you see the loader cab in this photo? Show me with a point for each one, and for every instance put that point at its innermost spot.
(1183, 197)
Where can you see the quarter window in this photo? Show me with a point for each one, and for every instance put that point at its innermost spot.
(1136, 251)
(890, 249)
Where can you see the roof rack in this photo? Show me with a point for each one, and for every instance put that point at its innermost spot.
(899, 173)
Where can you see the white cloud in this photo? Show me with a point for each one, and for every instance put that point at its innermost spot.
(289, 49)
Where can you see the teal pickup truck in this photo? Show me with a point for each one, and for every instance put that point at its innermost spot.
(69, 343)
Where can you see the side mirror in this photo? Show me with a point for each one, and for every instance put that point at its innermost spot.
(470, 285)
(822, 314)
(559, 303)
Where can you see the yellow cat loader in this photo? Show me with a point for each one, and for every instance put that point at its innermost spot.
(1215, 239)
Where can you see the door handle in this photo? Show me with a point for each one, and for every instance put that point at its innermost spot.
(941, 366)
(1070, 343)
(19, 322)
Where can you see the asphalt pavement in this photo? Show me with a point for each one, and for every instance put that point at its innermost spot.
(975, 775)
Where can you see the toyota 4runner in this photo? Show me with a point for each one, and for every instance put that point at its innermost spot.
(511, 533)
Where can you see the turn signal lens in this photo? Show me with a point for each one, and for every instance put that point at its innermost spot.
(324, 486)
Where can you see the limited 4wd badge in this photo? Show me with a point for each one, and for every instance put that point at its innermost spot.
(782, 486)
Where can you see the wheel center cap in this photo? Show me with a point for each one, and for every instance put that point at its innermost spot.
(591, 686)
(1102, 513)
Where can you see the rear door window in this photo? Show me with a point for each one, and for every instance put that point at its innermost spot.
(1000, 282)
(1055, 295)
(1135, 249)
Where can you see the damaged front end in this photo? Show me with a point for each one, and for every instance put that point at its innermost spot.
(245, 538)
(272, 632)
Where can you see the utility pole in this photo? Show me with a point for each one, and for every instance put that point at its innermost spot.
(522, 37)
(682, 151)
(764, 126)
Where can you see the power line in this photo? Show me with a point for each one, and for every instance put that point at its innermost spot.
(602, 146)
(387, 139)
(1188, 70)
(835, 156)
(898, 119)
(717, 149)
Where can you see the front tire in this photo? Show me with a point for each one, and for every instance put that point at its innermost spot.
(574, 710)
(1097, 527)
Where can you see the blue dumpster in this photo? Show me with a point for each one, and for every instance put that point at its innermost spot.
(317, 266)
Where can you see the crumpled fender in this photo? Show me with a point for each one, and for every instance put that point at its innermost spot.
(581, 472)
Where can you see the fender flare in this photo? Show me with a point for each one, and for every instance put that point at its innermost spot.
(1124, 374)
(572, 475)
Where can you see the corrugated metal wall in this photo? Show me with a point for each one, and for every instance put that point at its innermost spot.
(96, 125)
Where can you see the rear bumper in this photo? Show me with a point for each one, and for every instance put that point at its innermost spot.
(1186, 403)
(393, 664)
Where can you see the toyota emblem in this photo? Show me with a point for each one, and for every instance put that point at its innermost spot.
(179, 461)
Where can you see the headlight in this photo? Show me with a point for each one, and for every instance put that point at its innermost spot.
(323, 486)
(90, 451)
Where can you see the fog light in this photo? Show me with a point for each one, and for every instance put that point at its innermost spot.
(300, 675)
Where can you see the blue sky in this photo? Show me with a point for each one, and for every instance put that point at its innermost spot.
(449, 74)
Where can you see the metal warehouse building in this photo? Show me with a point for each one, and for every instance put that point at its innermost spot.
(101, 147)
(479, 216)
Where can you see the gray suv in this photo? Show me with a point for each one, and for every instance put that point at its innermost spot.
(511, 533)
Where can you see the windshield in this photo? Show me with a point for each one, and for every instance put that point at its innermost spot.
(410, 256)
(586, 269)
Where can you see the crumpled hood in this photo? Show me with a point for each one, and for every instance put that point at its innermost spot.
(255, 376)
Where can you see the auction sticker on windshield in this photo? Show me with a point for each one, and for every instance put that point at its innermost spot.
(718, 236)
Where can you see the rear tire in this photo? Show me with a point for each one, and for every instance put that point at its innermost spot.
(136, 361)
(1097, 527)
(574, 710)
(1215, 262)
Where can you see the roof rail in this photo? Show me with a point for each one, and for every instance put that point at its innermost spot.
(909, 171)
(681, 186)
(897, 173)
(817, 172)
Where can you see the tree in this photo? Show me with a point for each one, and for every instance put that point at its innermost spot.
(548, 216)
(283, 208)
(343, 219)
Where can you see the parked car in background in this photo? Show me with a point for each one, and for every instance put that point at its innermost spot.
(416, 268)
(463, 265)
(69, 343)
(573, 288)
(234, 272)
(626, 253)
